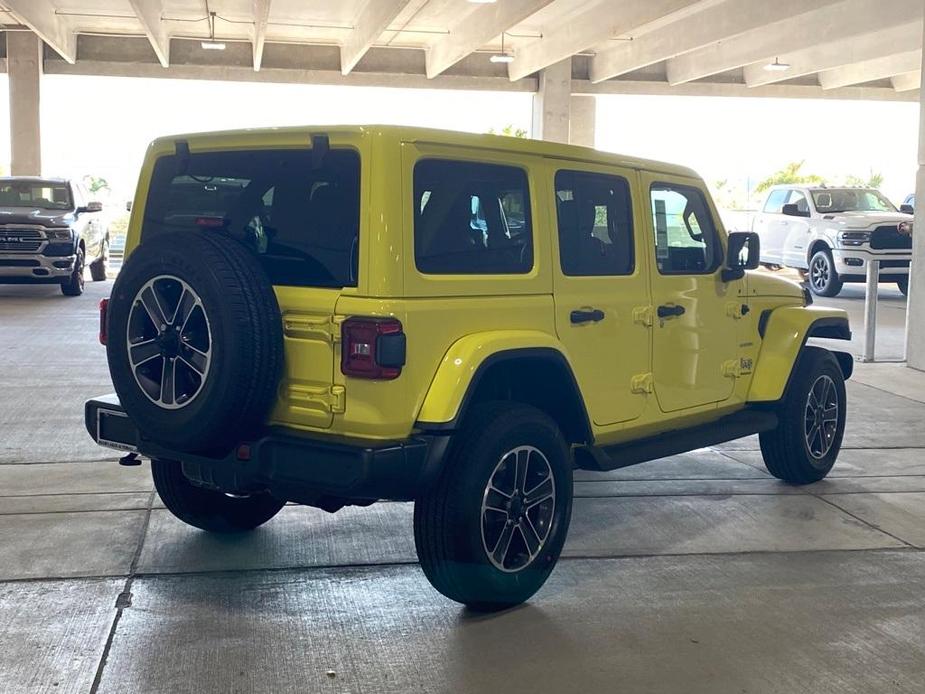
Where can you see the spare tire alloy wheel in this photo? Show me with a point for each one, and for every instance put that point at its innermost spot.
(169, 342)
(518, 507)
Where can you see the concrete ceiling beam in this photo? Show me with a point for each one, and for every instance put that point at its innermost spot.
(39, 15)
(373, 19)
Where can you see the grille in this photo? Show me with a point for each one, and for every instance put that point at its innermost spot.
(886, 238)
(21, 239)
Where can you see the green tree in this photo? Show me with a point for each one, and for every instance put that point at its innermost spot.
(96, 183)
(789, 174)
(874, 180)
(508, 131)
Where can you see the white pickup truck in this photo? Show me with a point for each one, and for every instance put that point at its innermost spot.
(830, 234)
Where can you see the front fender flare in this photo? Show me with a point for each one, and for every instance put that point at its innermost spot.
(786, 331)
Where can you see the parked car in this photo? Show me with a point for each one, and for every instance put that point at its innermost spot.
(49, 230)
(831, 234)
(458, 320)
(908, 206)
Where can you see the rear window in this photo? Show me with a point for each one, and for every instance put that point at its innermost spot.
(471, 218)
(302, 221)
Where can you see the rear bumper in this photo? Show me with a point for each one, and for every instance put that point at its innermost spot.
(320, 471)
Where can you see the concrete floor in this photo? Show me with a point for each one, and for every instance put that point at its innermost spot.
(698, 573)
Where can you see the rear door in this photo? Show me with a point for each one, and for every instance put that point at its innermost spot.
(603, 312)
(771, 226)
(302, 219)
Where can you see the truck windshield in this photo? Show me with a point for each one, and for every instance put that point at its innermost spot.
(833, 200)
(300, 217)
(42, 194)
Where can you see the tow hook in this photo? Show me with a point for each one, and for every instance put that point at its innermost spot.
(130, 460)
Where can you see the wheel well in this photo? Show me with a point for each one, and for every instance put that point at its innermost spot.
(545, 382)
(815, 247)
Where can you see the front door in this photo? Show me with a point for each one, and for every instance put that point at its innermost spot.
(601, 293)
(694, 338)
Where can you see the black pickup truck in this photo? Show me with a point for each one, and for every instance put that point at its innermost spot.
(49, 231)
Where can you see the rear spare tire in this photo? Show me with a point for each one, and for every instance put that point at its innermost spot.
(195, 343)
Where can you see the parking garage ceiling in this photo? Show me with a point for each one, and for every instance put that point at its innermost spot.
(841, 48)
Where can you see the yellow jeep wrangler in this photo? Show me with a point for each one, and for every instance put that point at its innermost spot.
(334, 316)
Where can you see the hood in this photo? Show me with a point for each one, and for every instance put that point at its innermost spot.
(864, 220)
(764, 284)
(36, 215)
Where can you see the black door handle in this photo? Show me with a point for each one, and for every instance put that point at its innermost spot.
(670, 311)
(587, 315)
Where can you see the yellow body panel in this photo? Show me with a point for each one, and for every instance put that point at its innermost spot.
(637, 376)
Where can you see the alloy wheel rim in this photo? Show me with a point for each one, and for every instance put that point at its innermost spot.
(821, 417)
(518, 507)
(169, 342)
(820, 273)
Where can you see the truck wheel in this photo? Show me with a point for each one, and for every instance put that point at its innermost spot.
(208, 509)
(804, 446)
(903, 285)
(98, 266)
(823, 279)
(74, 284)
(490, 529)
(195, 345)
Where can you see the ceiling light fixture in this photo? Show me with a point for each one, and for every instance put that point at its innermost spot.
(212, 44)
(483, 2)
(777, 66)
(503, 56)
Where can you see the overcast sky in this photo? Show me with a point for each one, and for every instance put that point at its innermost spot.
(100, 125)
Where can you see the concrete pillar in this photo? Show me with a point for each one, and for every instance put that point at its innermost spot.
(915, 316)
(24, 69)
(552, 103)
(583, 121)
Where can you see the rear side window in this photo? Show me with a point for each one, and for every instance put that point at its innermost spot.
(471, 218)
(302, 221)
(686, 241)
(595, 224)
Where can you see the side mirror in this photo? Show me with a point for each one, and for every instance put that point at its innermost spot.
(91, 207)
(743, 252)
(907, 209)
(792, 210)
(128, 206)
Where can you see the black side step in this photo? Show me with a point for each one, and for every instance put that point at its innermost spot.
(729, 428)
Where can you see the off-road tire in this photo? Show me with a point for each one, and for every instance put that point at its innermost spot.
(903, 285)
(785, 450)
(208, 509)
(74, 284)
(98, 266)
(823, 279)
(246, 341)
(448, 521)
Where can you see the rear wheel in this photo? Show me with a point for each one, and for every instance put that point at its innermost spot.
(74, 284)
(98, 266)
(903, 285)
(490, 530)
(804, 446)
(823, 278)
(208, 509)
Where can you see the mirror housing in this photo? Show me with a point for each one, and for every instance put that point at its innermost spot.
(128, 206)
(94, 206)
(907, 209)
(791, 210)
(743, 252)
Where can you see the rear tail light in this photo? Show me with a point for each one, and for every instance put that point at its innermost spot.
(104, 321)
(372, 348)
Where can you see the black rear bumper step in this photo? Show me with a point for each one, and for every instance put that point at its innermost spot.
(315, 470)
(729, 428)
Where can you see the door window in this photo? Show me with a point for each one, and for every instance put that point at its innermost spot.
(799, 199)
(686, 242)
(776, 201)
(595, 219)
(471, 218)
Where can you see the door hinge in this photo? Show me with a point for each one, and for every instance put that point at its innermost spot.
(332, 399)
(642, 383)
(644, 315)
(732, 368)
(313, 327)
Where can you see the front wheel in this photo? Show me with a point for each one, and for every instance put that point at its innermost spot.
(208, 509)
(490, 529)
(823, 278)
(74, 284)
(811, 421)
